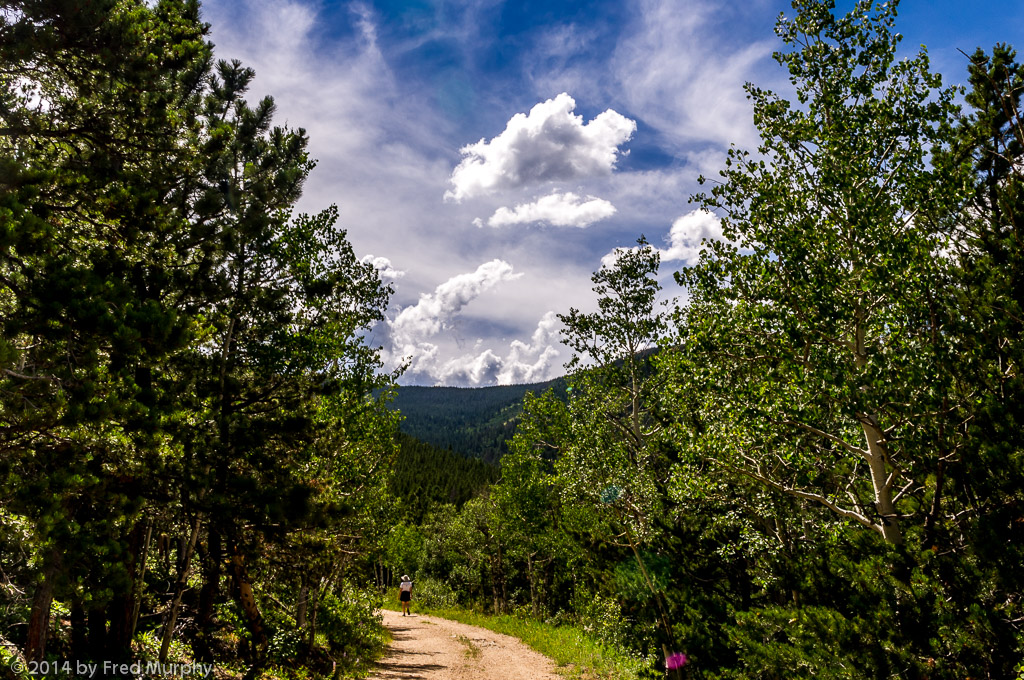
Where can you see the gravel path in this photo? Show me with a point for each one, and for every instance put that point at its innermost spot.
(439, 649)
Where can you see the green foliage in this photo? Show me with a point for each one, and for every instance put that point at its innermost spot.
(815, 475)
(403, 548)
(601, 617)
(90, 245)
(990, 140)
(351, 622)
(455, 549)
(285, 646)
(147, 648)
(432, 593)
(425, 476)
(778, 642)
(815, 328)
(813, 468)
(183, 370)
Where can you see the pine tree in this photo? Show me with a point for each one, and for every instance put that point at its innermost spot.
(95, 99)
(175, 347)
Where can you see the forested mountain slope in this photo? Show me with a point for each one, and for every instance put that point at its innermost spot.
(425, 476)
(474, 422)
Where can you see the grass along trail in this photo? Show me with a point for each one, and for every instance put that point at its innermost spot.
(438, 649)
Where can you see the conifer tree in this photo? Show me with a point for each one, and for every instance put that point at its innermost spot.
(978, 509)
(175, 347)
(284, 425)
(95, 98)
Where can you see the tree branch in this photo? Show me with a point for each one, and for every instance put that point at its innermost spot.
(817, 498)
(831, 437)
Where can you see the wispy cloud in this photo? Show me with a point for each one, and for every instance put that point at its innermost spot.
(548, 144)
(682, 71)
(380, 151)
(435, 310)
(391, 95)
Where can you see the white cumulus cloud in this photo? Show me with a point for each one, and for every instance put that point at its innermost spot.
(523, 363)
(384, 267)
(687, 234)
(481, 369)
(685, 238)
(548, 144)
(435, 310)
(558, 210)
(532, 362)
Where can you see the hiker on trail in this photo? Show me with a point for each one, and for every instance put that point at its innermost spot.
(405, 595)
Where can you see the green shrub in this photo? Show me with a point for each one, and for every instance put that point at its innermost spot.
(351, 624)
(601, 617)
(285, 645)
(434, 593)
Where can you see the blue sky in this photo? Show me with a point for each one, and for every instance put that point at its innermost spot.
(486, 155)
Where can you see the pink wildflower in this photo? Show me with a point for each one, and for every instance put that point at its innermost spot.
(675, 660)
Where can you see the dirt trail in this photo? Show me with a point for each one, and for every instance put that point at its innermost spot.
(437, 649)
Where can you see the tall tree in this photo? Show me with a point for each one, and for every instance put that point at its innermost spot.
(527, 496)
(821, 316)
(175, 346)
(95, 101)
(285, 427)
(984, 487)
(617, 460)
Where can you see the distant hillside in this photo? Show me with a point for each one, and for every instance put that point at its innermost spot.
(425, 476)
(472, 421)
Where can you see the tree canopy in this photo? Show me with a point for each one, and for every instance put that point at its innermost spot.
(182, 363)
(818, 471)
(810, 464)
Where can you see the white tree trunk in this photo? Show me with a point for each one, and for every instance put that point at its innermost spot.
(877, 457)
(878, 453)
